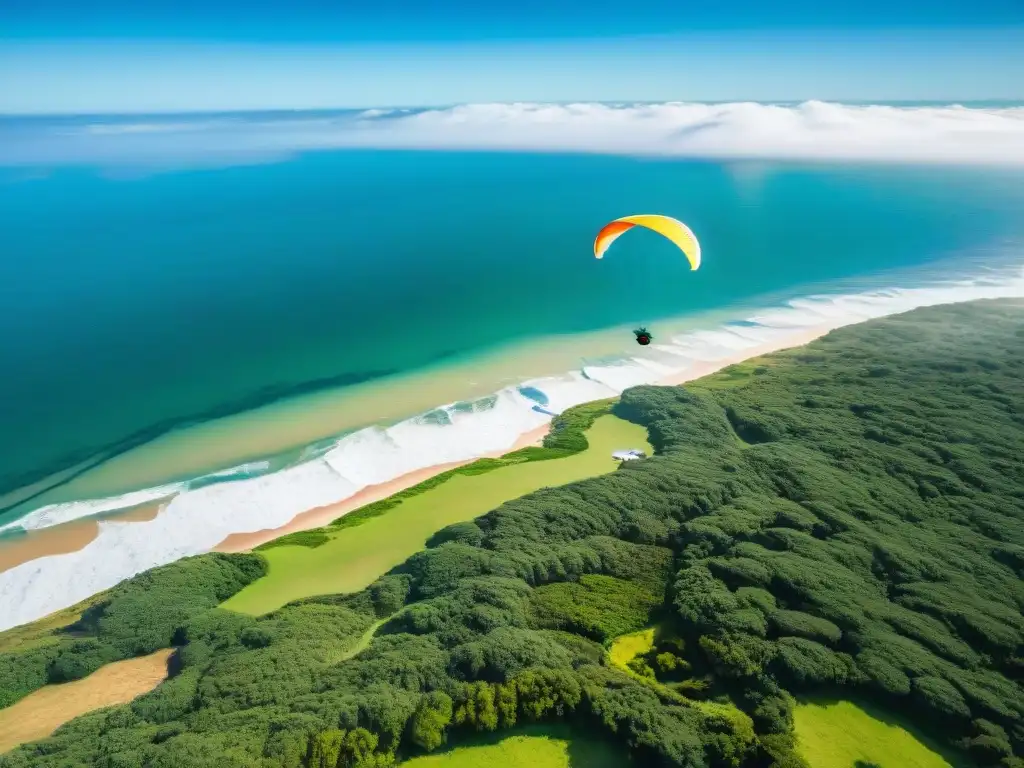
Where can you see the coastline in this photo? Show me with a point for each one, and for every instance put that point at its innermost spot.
(330, 480)
(316, 518)
(805, 336)
(75, 535)
(320, 516)
(68, 537)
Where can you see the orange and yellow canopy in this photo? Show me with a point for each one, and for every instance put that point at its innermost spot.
(666, 226)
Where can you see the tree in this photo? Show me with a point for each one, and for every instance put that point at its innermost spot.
(325, 748)
(358, 747)
(431, 719)
(507, 704)
(476, 706)
(846, 515)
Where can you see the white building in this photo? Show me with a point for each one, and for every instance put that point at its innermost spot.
(629, 455)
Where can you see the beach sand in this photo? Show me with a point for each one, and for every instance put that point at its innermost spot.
(40, 713)
(798, 339)
(70, 537)
(315, 518)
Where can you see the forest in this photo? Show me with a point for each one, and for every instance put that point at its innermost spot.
(843, 518)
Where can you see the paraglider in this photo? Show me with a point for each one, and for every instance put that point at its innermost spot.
(672, 229)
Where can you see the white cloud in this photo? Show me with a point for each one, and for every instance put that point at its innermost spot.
(809, 131)
(813, 130)
(105, 129)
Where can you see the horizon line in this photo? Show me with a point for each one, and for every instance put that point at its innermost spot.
(909, 103)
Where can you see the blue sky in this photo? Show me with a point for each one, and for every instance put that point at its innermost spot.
(80, 56)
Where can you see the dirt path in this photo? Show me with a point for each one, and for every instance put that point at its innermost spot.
(40, 713)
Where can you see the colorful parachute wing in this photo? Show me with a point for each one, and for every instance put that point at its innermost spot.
(666, 226)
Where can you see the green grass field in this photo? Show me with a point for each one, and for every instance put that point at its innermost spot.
(841, 734)
(532, 747)
(355, 557)
(625, 648)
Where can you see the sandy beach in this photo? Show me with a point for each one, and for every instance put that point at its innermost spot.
(798, 339)
(40, 713)
(315, 518)
(73, 536)
(69, 537)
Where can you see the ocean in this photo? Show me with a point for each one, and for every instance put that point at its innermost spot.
(256, 339)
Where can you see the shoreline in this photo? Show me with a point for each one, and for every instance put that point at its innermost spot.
(321, 516)
(73, 536)
(306, 495)
(804, 337)
(69, 537)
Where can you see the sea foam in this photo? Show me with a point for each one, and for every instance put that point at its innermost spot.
(201, 514)
(55, 514)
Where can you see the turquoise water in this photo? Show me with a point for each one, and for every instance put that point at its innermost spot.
(136, 303)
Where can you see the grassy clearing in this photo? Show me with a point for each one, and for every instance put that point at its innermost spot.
(42, 632)
(39, 633)
(532, 747)
(40, 713)
(626, 648)
(354, 557)
(565, 439)
(841, 734)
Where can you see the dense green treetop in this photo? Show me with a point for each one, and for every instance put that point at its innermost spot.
(843, 518)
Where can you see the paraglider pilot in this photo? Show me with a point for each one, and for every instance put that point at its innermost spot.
(672, 229)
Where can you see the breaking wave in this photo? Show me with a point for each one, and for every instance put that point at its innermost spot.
(198, 515)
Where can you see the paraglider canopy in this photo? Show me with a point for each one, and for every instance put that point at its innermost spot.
(670, 228)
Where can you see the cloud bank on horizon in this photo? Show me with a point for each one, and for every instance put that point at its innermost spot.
(812, 130)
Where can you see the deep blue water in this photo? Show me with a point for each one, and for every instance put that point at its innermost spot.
(135, 302)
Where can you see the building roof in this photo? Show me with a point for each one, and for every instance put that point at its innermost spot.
(628, 455)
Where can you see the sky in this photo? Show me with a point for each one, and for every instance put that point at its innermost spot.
(125, 56)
